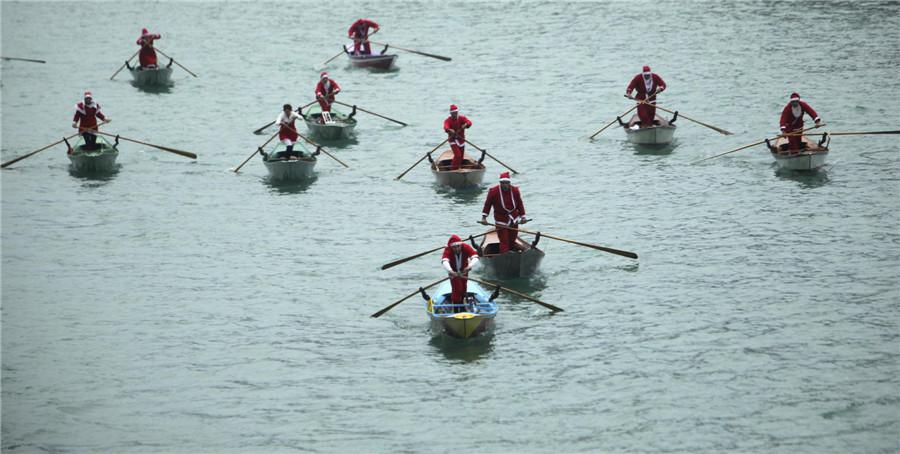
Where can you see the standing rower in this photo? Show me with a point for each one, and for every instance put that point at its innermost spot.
(455, 125)
(359, 31)
(147, 56)
(287, 133)
(325, 91)
(647, 85)
(86, 114)
(506, 201)
(792, 121)
(458, 260)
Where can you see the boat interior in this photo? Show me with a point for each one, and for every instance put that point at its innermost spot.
(809, 146)
(443, 162)
(635, 122)
(490, 245)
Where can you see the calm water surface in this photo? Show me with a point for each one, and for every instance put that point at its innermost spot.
(176, 306)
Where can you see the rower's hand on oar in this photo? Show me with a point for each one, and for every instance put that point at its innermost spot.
(75, 125)
(483, 220)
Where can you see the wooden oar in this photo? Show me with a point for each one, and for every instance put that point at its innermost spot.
(630, 255)
(406, 259)
(719, 130)
(439, 57)
(318, 147)
(179, 64)
(421, 159)
(23, 59)
(521, 295)
(853, 133)
(260, 130)
(124, 65)
(490, 156)
(254, 152)
(757, 143)
(371, 113)
(381, 312)
(13, 161)
(186, 154)
(613, 122)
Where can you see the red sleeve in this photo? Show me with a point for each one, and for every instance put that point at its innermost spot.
(468, 122)
(812, 113)
(785, 121)
(632, 85)
(318, 88)
(77, 116)
(100, 115)
(488, 202)
(519, 203)
(469, 250)
(335, 87)
(447, 124)
(661, 84)
(371, 23)
(446, 254)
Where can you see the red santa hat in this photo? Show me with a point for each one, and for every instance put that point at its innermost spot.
(145, 32)
(88, 94)
(323, 75)
(646, 68)
(453, 108)
(795, 96)
(504, 177)
(454, 240)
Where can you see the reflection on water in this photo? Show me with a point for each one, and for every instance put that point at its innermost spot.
(153, 89)
(93, 177)
(655, 150)
(460, 195)
(289, 187)
(335, 143)
(808, 179)
(465, 350)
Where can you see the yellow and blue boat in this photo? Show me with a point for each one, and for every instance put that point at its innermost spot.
(475, 316)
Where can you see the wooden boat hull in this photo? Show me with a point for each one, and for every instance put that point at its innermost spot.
(158, 77)
(810, 158)
(381, 62)
(522, 263)
(100, 160)
(661, 134)
(341, 128)
(465, 321)
(290, 169)
(470, 175)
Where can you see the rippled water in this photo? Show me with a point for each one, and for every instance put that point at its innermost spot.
(178, 307)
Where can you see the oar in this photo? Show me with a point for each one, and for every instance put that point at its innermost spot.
(421, 159)
(318, 147)
(521, 295)
(342, 52)
(404, 260)
(613, 122)
(179, 64)
(254, 152)
(381, 312)
(13, 161)
(260, 130)
(490, 156)
(630, 255)
(124, 65)
(371, 113)
(757, 143)
(186, 154)
(23, 59)
(439, 57)
(719, 130)
(853, 133)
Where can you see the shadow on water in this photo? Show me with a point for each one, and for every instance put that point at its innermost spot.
(807, 179)
(465, 350)
(655, 150)
(95, 178)
(289, 187)
(153, 89)
(335, 143)
(460, 195)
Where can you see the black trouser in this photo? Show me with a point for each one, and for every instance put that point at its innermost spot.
(288, 153)
(90, 140)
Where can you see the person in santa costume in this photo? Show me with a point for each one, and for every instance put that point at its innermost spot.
(792, 120)
(458, 260)
(147, 56)
(325, 91)
(359, 32)
(506, 201)
(287, 133)
(648, 85)
(86, 115)
(455, 125)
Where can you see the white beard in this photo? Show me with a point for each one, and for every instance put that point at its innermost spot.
(648, 84)
(796, 111)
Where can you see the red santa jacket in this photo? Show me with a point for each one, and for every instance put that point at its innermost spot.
(461, 260)
(87, 115)
(147, 56)
(322, 91)
(459, 125)
(507, 205)
(791, 123)
(637, 83)
(360, 28)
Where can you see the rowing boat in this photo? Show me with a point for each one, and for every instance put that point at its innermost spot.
(473, 317)
(469, 175)
(809, 158)
(293, 169)
(381, 61)
(521, 263)
(152, 77)
(341, 126)
(659, 134)
(100, 159)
